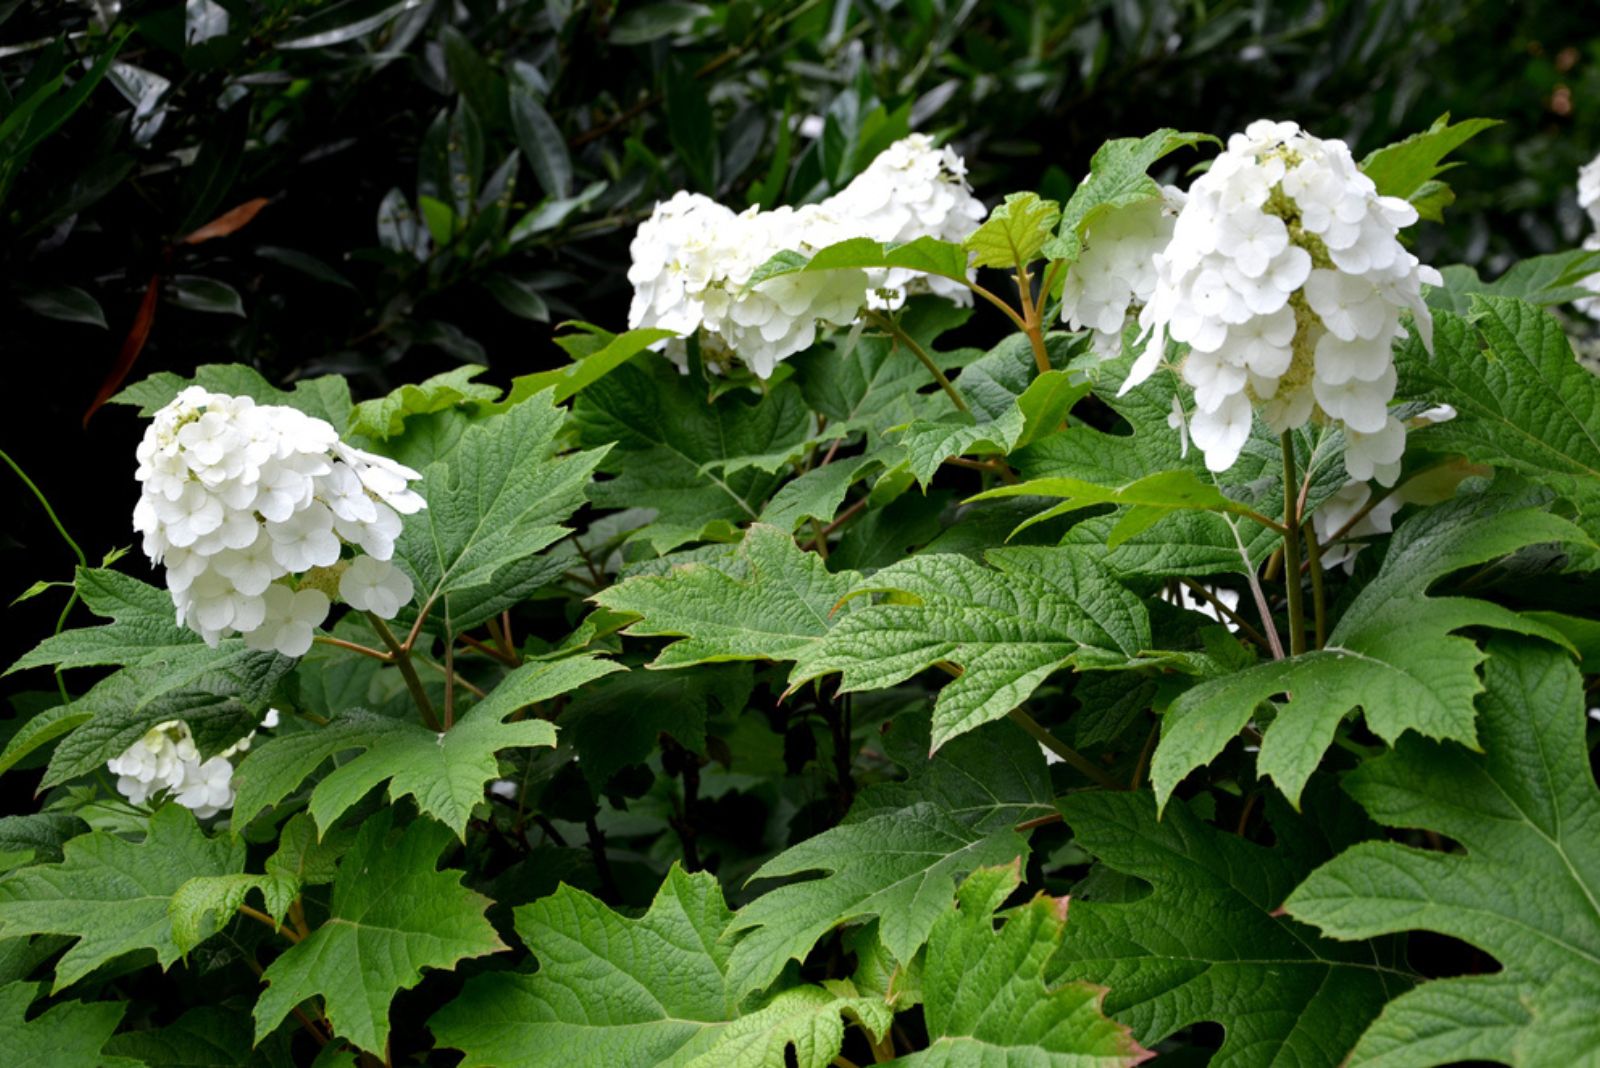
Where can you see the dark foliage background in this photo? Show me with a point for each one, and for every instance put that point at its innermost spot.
(443, 181)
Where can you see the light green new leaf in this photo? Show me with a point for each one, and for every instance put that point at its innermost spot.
(392, 915)
(984, 991)
(112, 894)
(1393, 653)
(1008, 627)
(569, 381)
(326, 397)
(1523, 889)
(1164, 491)
(1523, 401)
(1205, 944)
(1014, 233)
(1404, 168)
(928, 255)
(1117, 178)
(385, 417)
(770, 600)
(499, 500)
(445, 772)
(655, 990)
(900, 852)
(69, 1035)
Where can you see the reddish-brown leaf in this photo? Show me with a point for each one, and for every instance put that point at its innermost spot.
(132, 345)
(228, 222)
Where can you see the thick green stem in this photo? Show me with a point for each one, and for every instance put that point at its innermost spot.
(408, 672)
(891, 327)
(1068, 755)
(1319, 603)
(1291, 550)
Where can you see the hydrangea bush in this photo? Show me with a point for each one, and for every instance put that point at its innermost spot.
(783, 682)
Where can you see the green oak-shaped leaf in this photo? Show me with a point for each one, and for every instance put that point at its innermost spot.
(984, 993)
(655, 990)
(900, 851)
(500, 498)
(1204, 944)
(1555, 278)
(385, 417)
(1008, 627)
(392, 914)
(671, 445)
(1524, 889)
(609, 352)
(1393, 654)
(209, 1036)
(1014, 233)
(1117, 178)
(1408, 168)
(445, 771)
(769, 600)
(69, 1035)
(326, 397)
(111, 894)
(1523, 401)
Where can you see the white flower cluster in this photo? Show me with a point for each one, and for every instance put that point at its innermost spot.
(1116, 272)
(165, 762)
(238, 497)
(693, 258)
(912, 189)
(1286, 279)
(1589, 201)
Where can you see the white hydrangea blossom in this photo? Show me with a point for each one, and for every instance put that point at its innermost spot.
(1116, 272)
(693, 259)
(1589, 201)
(165, 763)
(238, 499)
(914, 188)
(1285, 278)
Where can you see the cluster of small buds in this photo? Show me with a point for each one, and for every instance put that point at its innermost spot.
(692, 260)
(166, 763)
(1589, 201)
(238, 499)
(1116, 272)
(1286, 279)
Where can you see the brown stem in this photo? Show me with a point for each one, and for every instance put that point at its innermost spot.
(1143, 763)
(1068, 755)
(1319, 603)
(995, 466)
(489, 650)
(1037, 821)
(1011, 313)
(844, 517)
(376, 654)
(1239, 621)
(1030, 320)
(262, 917)
(408, 671)
(893, 329)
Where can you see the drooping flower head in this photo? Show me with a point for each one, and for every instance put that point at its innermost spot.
(914, 188)
(1116, 272)
(238, 499)
(693, 260)
(166, 763)
(1286, 280)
